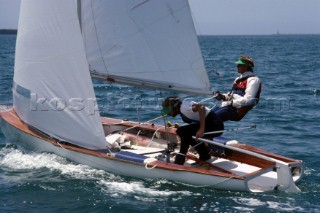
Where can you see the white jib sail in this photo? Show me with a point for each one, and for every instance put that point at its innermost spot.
(150, 43)
(52, 86)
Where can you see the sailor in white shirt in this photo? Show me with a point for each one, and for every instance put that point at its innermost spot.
(244, 95)
(199, 119)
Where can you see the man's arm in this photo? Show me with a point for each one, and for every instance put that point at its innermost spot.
(200, 108)
(249, 99)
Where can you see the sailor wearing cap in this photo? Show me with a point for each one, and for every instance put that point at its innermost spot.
(244, 95)
(199, 119)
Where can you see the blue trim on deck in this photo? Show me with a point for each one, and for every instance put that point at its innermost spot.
(129, 156)
(124, 155)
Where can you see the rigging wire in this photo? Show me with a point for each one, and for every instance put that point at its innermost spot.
(139, 124)
(212, 69)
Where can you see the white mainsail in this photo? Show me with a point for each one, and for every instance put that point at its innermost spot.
(150, 43)
(52, 86)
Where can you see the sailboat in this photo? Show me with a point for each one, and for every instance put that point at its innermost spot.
(62, 45)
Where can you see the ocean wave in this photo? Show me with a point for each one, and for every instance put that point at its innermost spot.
(138, 189)
(17, 160)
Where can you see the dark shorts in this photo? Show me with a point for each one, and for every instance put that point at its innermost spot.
(226, 113)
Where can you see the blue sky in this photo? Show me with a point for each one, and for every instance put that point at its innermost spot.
(229, 17)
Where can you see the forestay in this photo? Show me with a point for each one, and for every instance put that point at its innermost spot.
(52, 86)
(149, 43)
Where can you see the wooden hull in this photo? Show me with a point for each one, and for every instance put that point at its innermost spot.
(225, 173)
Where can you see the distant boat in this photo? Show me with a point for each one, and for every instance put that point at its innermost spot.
(151, 44)
(277, 33)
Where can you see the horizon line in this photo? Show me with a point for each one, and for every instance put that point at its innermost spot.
(258, 34)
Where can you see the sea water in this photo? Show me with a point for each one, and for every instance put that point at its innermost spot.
(287, 119)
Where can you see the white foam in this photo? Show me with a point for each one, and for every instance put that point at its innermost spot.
(309, 171)
(18, 160)
(110, 184)
(244, 209)
(284, 207)
(122, 188)
(250, 201)
(253, 202)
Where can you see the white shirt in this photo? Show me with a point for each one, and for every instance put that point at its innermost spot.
(249, 99)
(186, 110)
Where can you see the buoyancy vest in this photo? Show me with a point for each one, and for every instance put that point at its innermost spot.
(239, 87)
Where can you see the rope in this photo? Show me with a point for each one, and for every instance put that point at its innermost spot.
(146, 122)
(151, 140)
(231, 130)
(178, 153)
(196, 145)
(150, 168)
(61, 146)
(206, 99)
(138, 133)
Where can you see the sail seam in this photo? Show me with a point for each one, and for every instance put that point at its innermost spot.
(138, 5)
